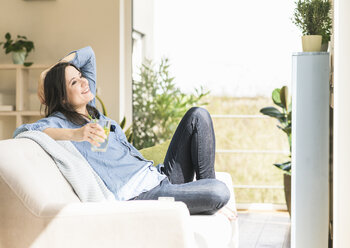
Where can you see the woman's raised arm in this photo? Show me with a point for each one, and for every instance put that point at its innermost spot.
(85, 60)
(42, 76)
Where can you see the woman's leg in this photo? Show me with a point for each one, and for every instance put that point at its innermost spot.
(192, 148)
(204, 196)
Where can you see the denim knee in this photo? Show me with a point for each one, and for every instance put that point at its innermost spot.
(199, 112)
(220, 194)
(224, 193)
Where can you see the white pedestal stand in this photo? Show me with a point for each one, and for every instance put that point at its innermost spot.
(310, 150)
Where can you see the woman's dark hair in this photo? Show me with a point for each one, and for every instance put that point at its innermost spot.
(56, 98)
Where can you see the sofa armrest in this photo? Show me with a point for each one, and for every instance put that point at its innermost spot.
(227, 179)
(119, 224)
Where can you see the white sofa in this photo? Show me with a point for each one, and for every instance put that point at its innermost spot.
(38, 208)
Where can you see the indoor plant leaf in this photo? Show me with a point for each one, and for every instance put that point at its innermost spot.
(286, 166)
(28, 63)
(7, 36)
(281, 98)
(284, 97)
(122, 123)
(18, 45)
(272, 111)
(276, 97)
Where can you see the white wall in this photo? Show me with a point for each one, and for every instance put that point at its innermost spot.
(143, 21)
(59, 26)
(125, 62)
(341, 124)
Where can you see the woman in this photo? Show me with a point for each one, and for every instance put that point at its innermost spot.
(68, 91)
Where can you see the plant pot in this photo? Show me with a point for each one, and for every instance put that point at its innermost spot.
(19, 57)
(324, 47)
(311, 43)
(287, 191)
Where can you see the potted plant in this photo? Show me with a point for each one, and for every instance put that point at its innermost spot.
(20, 48)
(281, 98)
(313, 19)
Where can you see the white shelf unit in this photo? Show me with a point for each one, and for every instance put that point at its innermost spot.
(310, 150)
(22, 110)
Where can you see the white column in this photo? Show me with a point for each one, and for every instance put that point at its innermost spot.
(341, 171)
(125, 51)
(310, 150)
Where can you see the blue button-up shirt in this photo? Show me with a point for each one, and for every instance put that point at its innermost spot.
(122, 168)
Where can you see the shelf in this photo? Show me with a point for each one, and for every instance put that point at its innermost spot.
(13, 66)
(30, 113)
(21, 113)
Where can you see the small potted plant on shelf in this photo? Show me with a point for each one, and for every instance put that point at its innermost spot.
(281, 98)
(314, 20)
(20, 48)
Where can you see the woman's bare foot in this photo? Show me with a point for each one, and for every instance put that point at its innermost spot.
(228, 213)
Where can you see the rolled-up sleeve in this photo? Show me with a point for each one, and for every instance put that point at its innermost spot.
(40, 125)
(85, 60)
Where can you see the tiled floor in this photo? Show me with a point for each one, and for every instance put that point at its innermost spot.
(264, 229)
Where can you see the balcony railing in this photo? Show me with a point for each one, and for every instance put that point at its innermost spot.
(250, 151)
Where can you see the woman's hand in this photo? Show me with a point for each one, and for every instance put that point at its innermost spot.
(91, 132)
(41, 93)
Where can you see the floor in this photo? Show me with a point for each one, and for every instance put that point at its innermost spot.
(264, 229)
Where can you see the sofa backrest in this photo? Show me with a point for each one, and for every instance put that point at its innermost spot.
(33, 176)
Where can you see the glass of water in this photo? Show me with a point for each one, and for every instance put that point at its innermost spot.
(106, 125)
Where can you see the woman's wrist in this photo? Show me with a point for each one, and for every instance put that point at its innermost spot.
(62, 133)
(74, 134)
(68, 58)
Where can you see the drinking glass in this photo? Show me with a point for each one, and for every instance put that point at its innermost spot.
(106, 125)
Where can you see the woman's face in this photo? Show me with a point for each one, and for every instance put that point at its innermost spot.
(78, 90)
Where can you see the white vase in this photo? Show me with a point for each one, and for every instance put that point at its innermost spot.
(311, 43)
(19, 57)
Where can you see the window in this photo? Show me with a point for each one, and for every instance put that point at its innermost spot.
(240, 51)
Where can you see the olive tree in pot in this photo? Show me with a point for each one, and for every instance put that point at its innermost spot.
(281, 98)
(314, 20)
(20, 48)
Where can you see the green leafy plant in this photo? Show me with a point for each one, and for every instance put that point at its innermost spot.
(128, 131)
(18, 45)
(281, 98)
(313, 18)
(104, 110)
(158, 105)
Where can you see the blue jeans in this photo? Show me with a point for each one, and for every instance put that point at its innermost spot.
(192, 152)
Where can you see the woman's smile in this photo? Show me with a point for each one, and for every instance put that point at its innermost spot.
(78, 90)
(86, 91)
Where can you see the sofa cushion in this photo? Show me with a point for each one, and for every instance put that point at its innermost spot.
(156, 153)
(26, 167)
